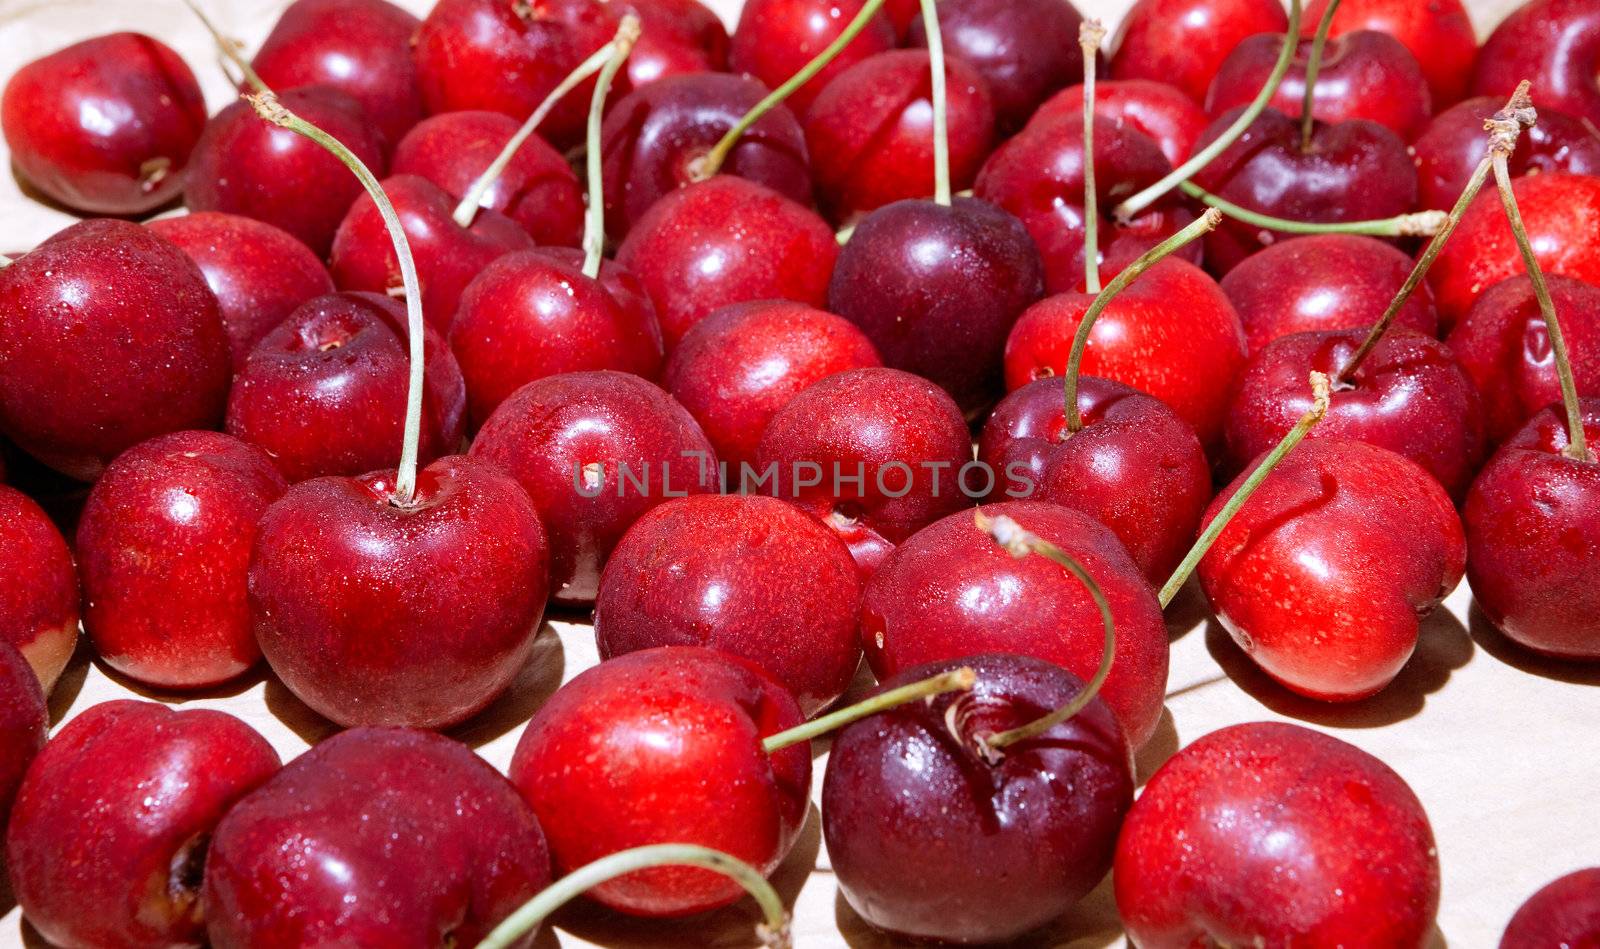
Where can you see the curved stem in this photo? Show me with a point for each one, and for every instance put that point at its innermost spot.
(1308, 421)
(956, 680)
(1207, 223)
(1130, 208)
(1308, 123)
(1418, 224)
(774, 932)
(941, 126)
(1020, 542)
(268, 107)
(1090, 33)
(594, 225)
(711, 162)
(229, 47)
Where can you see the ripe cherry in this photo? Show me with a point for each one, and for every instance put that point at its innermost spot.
(1452, 146)
(1563, 913)
(680, 37)
(1160, 111)
(1183, 42)
(776, 38)
(1556, 44)
(1438, 33)
(39, 592)
(24, 722)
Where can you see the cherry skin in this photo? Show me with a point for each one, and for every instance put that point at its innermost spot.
(776, 38)
(360, 47)
(653, 138)
(1531, 521)
(738, 367)
(1504, 346)
(247, 166)
(937, 289)
(1135, 466)
(1325, 282)
(899, 434)
(538, 189)
(1159, 111)
(131, 876)
(1452, 146)
(1325, 573)
(1172, 334)
(1203, 853)
(259, 274)
(1001, 847)
(104, 126)
(595, 451)
(747, 575)
(727, 240)
(24, 723)
(325, 392)
(147, 347)
(678, 37)
(1438, 34)
(1364, 75)
(1566, 912)
(1553, 43)
(664, 746)
(1183, 42)
(376, 837)
(39, 589)
(951, 592)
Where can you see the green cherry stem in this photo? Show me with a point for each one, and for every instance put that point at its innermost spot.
(230, 48)
(594, 225)
(773, 932)
(941, 108)
(1417, 224)
(1090, 34)
(1308, 122)
(1308, 421)
(956, 680)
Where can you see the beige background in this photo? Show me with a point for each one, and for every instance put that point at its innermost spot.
(1501, 748)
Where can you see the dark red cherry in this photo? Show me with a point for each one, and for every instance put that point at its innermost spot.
(1438, 33)
(775, 38)
(1183, 42)
(678, 37)
(106, 125)
(1452, 147)
(24, 722)
(1553, 43)
(1565, 912)
(38, 587)
(1160, 111)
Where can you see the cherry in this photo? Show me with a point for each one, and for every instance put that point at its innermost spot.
(1326, 282)
(747, 575)
(1001, 846)
(1438, 33)
(106, 125)
(874, 453)
(1566, 912)
(131, 876)
(1159, 111)
(1325, 573)
(1203, 853)
(775, 38)
(1452, 146)
(259, 273)
(1183, 42)
(148, 351)
(595, 451)
(164, 546)
(727, 240)
(376, 836)
(665, 745)
(738, 367)
(39, 593)
(245, 166)
(1556, 44)
(680, 37)
(24, 722)
(325, 392)
(360, 47)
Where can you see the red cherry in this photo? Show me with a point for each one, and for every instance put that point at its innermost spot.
(147, 347)
(776, 38)
(727, 240)
(664, 746)
(260, 274)
(106, 125)
(24, 722)
(376, 836)
(1438, 33)
(1564, 913)
(1452, 147)
(1183, 42)
(325, 392)
(1325, 573)
(1554, 43)
(1159, 111)
(39, 590)
(1203, 851)
(1531, 518)
(735, 369)
(360, 47)
(131, 876)
(679, 37)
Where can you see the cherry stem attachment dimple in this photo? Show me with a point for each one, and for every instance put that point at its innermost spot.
(1416, 224)
(231, 48)
(1090, 34)
(594, 225)
(956, 680)
(1320, 396)
(1080, 342)
(1019, 543)
(773, 932)
(941, 106)
(1130, 208)
(269, 108)
(1308, 121)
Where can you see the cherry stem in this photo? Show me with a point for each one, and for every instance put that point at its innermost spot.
(956, 680)
(711, 162)
(268, 107)
(1308, 122)
(1418, 224)
(230, 48)
(941, 109)
(773, 933)
(1090, 34)
(1130, 208)
(1504, 128)
(1080, 342)
(1019, 543)
(594, 225)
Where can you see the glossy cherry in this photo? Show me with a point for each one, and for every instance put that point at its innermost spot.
(1452, 146)
(24, 722)
(106, 125)
(679, 37)
(1438, 33)
(38, 587)
(1162, 112)
(775, 38)
(1183, 42)
(1203, 853)
(1566, 912)
(1554, 43)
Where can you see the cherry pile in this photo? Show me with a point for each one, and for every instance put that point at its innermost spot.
(949, 336)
